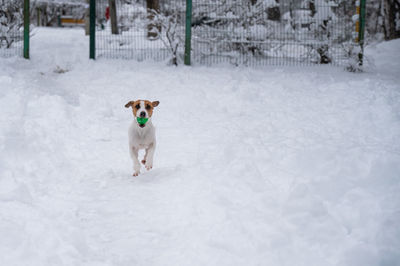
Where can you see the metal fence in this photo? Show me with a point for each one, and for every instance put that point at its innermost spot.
(272, 31)
(140, 34)
(11, 28)
(239, 32)
(249, 32)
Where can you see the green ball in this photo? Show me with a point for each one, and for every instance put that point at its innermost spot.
(142, 120)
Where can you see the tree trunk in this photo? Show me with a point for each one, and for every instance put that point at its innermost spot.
(390, 9)
(312, 8)
(113, 16)
(153, 6)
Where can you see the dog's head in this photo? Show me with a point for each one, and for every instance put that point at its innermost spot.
(142, 110)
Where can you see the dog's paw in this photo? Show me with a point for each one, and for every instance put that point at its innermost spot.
(148, 166)
(144, 162)
(136, 173)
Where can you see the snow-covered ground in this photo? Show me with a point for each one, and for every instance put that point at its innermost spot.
(269, 166)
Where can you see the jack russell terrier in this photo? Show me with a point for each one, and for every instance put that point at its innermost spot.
(142, 133)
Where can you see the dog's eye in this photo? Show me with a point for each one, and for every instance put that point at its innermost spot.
(137, 106)
(148, 107)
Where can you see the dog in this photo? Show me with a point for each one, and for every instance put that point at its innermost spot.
(142, 133)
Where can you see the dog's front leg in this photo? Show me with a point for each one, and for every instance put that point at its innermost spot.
(149, 156)
(145, 156)
(134, 155)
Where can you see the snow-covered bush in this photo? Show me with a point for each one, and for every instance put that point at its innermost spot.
(11, 22)
(324, 28)
(170, 27)
(353, 53)
(320, 25)
(229, 27)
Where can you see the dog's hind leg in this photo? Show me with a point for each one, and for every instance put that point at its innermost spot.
(134, 155)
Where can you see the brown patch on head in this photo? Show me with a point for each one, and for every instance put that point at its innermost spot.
(149, 106)
(136, 105)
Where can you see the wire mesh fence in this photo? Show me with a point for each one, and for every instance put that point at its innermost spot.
(11, 28)
(140, 33)
(275, 32)
(249, 32)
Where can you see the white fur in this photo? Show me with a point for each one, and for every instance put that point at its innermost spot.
(142, 138)
(142, 109)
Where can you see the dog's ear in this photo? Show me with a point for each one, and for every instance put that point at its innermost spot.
(155, 103)
(129, 104)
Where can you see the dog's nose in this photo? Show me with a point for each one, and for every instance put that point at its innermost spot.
(142, 114)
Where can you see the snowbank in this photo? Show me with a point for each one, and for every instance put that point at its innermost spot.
(271, 166)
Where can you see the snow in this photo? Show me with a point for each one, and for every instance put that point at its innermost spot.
(268, 166)
(270, 3)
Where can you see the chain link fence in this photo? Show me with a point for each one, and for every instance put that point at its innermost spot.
(11, 28)
(241, 32)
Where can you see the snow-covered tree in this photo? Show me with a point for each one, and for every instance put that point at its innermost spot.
(153, 28)
(11, 22)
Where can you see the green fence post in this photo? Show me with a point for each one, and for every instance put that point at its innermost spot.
(361, 32)
(59, 20)
(188, 34)
(26, 29)
(38, 17)
(92, 30)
